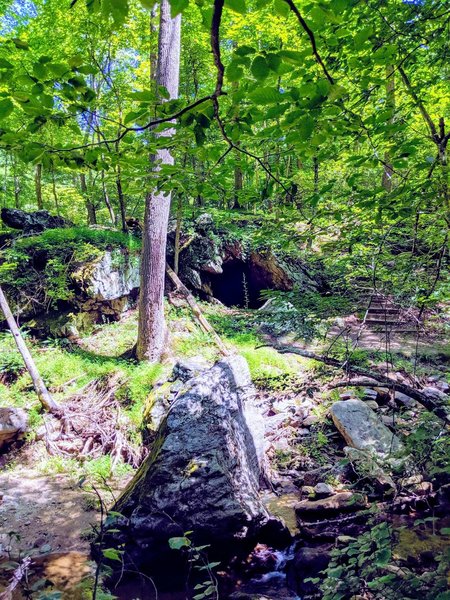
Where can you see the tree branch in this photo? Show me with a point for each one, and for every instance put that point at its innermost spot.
(312, 38)
(424, 399)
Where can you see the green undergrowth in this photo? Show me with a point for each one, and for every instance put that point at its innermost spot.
(101, 238)
(66, 370)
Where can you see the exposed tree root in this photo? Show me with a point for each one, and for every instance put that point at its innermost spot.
(91, 424)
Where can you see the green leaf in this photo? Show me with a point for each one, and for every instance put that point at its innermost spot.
(177, 7)
(39, 70)
(6, 108)
(445, 531)
(20, 44)
(274, 61)
(362, 36)
(111, 554)
(245, 50)
(260, 68)
(265, 95)
(117, 9)
(176, 543)
(281, 8)
(5, 64)
(234, 71)
(147, 3)
(293, 57)
(236, 5)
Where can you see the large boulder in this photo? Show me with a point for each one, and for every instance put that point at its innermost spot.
(32, 222)
(362, 429)
(202, 475)
(13, 423)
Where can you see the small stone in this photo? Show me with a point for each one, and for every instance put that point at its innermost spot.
(404, 400)
(323, 490)
(346, 395)
(435, 393)
(422, 489)
(311, 420)
(371, 404)
(308, 490)
(303, 432)
(370, 394)
(389, 421)
(340, 502)
(409, 481)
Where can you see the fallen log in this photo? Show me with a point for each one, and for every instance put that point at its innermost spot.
(43, 394)
(204, 324)
(422, 398)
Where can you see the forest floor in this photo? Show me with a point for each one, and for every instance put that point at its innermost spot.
(46, 512)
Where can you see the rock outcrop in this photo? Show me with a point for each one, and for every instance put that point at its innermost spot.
(32, 222)
(108, 284)
(13, 423)
(362, 429)
(202, 475)
(225, 268)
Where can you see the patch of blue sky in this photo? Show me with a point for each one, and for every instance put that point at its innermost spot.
(16, 15)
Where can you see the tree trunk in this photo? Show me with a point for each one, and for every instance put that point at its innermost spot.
(152, 327)
(390, 105)
(92, 217)
(43, 394)
(120, 195)
(55, 194)
(38, 186)
(176, 254)
(112, 216)
(16, 186)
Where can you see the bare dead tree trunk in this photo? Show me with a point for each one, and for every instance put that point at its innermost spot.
(43, 394)
(152, 333)
(38, 186)
(204, 323)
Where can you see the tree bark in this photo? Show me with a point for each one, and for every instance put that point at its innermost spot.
(55, 194)
(120, 195)
(92, 217)
(43, 394)
(390, 105)
(176, 252)
(152, 331)
(38, 186)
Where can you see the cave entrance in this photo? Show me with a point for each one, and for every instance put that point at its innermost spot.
(236, 286)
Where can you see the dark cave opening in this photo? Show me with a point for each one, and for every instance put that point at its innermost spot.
(236, 286)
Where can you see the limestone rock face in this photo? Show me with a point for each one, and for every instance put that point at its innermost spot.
(361, 427)
(13, 422)
(202, 475)
(115, 275)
